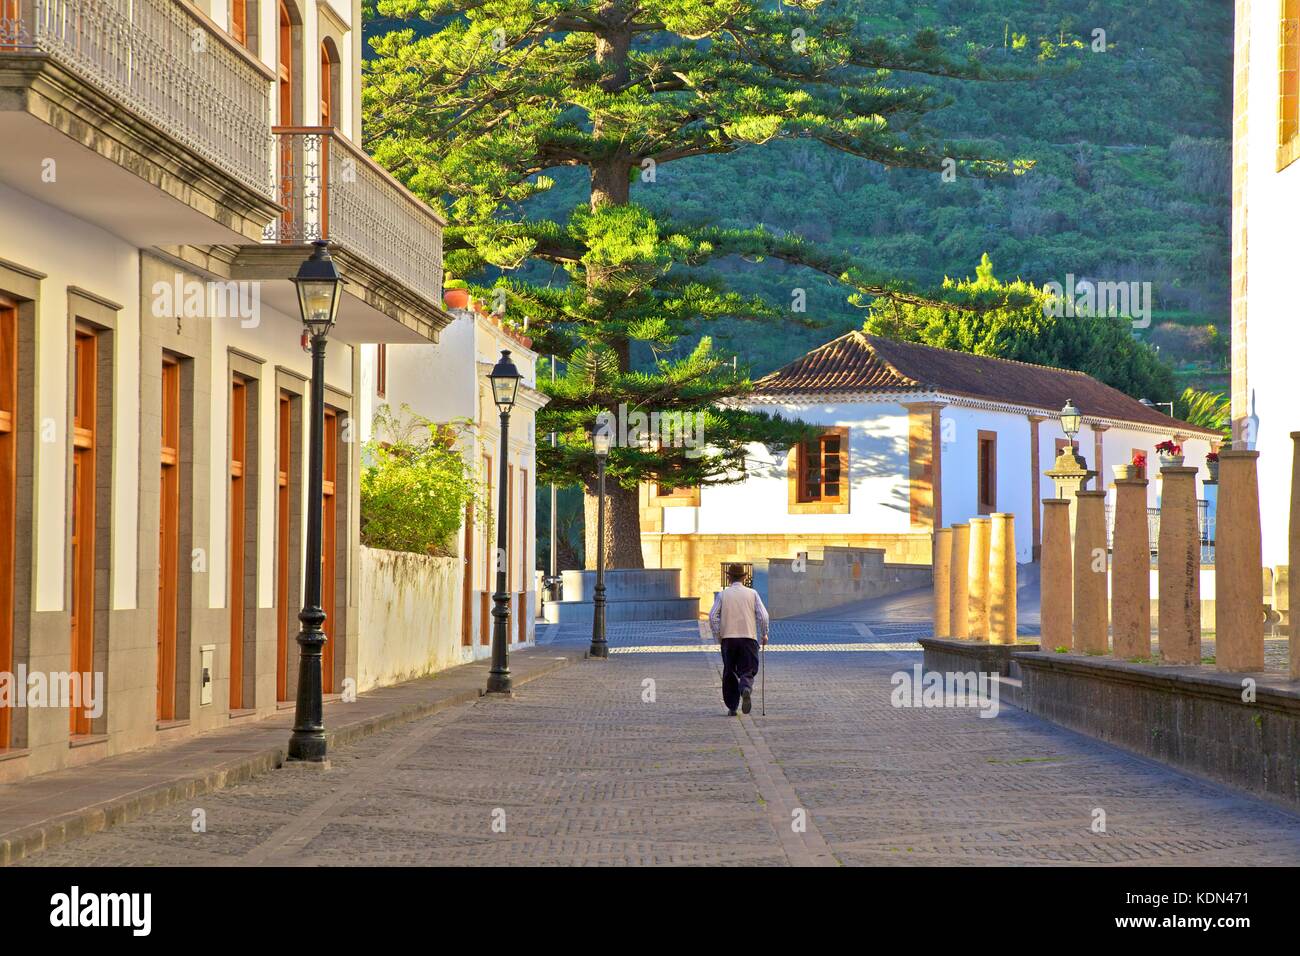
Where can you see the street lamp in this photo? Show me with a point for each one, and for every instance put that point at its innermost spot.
(1070, 420)
(319, 289)
(505, 386)
(601, 439)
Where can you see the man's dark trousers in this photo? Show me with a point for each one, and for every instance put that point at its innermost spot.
(739, 665)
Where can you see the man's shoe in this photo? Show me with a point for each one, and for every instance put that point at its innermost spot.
(745, 704)
(731, 713)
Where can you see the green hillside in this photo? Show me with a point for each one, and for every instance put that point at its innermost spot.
(1131, 181)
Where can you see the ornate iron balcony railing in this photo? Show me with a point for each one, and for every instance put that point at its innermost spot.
(164, 63)
(332, 190)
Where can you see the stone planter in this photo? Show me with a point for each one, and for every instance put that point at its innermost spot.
(1171, 461)
(1213, 468)
(1124, 472)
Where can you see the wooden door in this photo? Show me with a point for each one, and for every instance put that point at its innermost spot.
(238, 500)
(489, 560)
(525, 572)
(8, 493)
(329, 543)
(510, 545)
(239, 21)
(467, 580)
(169, 536)
(85, 410)
(283, 566)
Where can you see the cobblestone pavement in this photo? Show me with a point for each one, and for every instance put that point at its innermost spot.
(633, 761)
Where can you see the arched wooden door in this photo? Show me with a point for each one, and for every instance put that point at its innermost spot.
(168, 536)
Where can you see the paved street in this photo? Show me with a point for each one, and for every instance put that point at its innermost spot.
(584, 768)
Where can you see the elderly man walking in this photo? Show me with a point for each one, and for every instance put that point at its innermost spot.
(739, 621)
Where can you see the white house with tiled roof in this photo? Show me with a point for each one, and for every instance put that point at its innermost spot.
(913, 438)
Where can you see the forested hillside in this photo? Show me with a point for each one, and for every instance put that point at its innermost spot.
(1131, 179)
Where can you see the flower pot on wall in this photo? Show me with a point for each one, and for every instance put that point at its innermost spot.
(1124, 472)
(1213, 468)
(456, 298)
(1171, 461)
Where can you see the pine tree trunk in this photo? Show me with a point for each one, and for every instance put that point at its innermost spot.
(622, 526)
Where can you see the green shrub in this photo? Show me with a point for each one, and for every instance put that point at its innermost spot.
(414, 485)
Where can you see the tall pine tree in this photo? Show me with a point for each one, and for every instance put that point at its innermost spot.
(474, 108)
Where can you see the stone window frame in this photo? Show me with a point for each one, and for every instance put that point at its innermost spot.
(23, 287)
(87, 309)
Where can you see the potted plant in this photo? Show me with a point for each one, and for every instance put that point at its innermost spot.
(1212, 465)
(1134, 469)
(455, 292)
(1170, 452)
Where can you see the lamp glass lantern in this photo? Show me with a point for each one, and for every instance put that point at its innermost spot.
(1070, 420)
(601, 438)
(505, 382)
(320, 287)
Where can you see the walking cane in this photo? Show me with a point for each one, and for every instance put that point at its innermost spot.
(762, 680)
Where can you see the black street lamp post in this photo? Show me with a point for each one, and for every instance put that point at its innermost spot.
(600, 440)
(505, 385)
(319, 288)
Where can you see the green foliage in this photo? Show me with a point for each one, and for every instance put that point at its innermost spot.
(414, 485)
(1208, 409)
(542, 131)
(1100, 345)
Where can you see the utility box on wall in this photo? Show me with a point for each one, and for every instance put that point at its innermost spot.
(207, 654)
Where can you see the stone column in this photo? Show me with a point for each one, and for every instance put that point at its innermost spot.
(1179, 561)
(1090, 574)
(1239, 566)
(1002, 579)
(977, 574)
(1293, 563)
(1056, 587)
(959, 595)
(1130, 582)
(942, 581)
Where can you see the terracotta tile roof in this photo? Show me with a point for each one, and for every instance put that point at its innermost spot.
(857, 362)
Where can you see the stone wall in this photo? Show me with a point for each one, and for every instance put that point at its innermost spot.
(701, 556)
(829, 577)
(410, 616)
(1190, 717)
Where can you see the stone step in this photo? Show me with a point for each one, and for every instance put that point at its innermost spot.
(657, 609)
(623, 584)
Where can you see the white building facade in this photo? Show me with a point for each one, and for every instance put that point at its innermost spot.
(165, 164)
(1266, 202)
(914, 438)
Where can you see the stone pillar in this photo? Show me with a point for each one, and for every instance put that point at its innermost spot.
(1179, 561)
(959, 600)
(1002, 579)
(1293, 563)
(977, 575)
(1130, 582)
(942, 581)
(1090, 574)
(1056, 584)
(1239, 566)
(1070, 475)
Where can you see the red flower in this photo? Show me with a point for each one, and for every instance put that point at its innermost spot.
(1169, 447)
(1139, 459)
(1212, 456)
